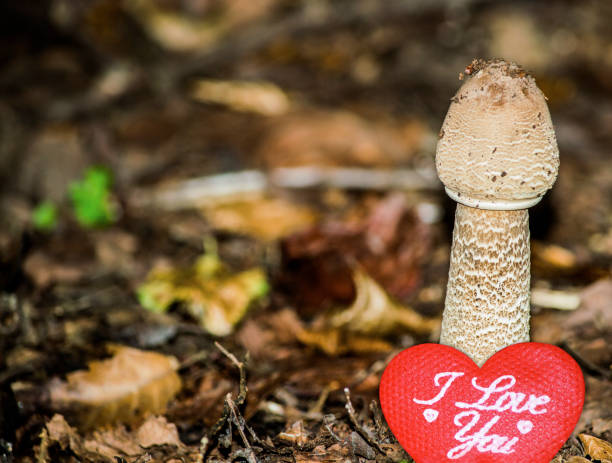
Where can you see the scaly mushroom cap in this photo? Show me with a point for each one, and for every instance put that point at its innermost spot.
(497, 147)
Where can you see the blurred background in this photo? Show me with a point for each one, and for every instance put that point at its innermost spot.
(171, 89)
(290, 138)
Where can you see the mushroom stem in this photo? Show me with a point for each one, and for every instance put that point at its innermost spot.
(487, 298)
(497, 155)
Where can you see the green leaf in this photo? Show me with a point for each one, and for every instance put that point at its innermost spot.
(91, 198)
(44, 216)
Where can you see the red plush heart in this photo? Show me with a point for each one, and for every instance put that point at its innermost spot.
(519, 407)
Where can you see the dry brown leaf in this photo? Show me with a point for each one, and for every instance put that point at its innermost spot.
(552, 255)
(108, 444)
(58, 432)
(374, 313)
(262, 98)
(391, 249)
(265, 218)
(121, 389)
(597, 449)
(157, 431)
(180, 32)
(335, 341)
(359, 327)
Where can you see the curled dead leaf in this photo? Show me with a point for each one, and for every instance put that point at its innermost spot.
(359, 327)
(373, 312)
(597, 449)
(123, 388)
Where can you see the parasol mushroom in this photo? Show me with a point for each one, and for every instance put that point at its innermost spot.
(497, 156)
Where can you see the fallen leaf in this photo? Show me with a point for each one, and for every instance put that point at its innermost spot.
(552, 255)
(334, 341)
(265, 218)
(157, 431)
(597, 449)
(123, 388)
(178, 31)
(217, 299)
(108, 445)
(373, 312)
(256, 97)
(387, 239)
(359, 327)
(60, 431)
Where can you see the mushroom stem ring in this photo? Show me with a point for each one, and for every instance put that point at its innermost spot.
(501, 205)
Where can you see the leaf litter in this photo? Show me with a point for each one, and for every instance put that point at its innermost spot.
(117, 93)
(154, 438)
(359, 327)
(124, 388)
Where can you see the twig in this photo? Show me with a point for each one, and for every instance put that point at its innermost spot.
(355, 178)
(317, 408)
(242, 388)
(366, 434)
(229, 355)
(231, 414)
(237, 419)
(381, 428)
(242, 393)
(230, 186)
(551, 299)
(328, 420)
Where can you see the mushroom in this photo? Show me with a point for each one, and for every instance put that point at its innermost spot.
(497, 155)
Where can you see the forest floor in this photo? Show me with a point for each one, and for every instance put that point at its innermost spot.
(217, 203)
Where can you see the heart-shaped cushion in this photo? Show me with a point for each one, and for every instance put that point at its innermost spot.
(519, 407)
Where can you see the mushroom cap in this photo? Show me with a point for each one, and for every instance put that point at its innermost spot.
(497, 147)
